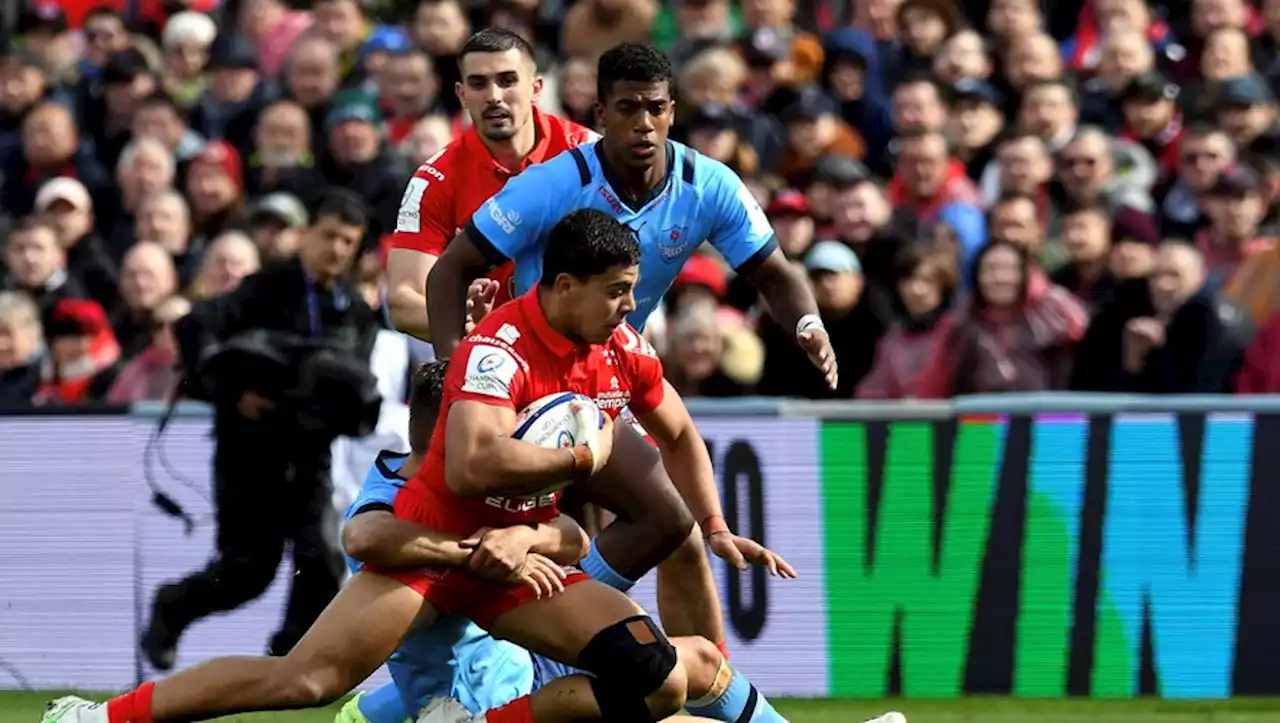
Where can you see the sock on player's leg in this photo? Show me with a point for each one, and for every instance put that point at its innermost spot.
(519, 710)
(383, 705)
(595, 566)
(739, 701)
(132, 707)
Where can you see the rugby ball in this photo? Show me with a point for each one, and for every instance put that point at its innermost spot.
(550, 422)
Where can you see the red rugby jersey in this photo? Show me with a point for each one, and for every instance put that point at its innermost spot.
(446, 190)
(513, 358)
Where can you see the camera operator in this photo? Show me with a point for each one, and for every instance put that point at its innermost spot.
(284, 359)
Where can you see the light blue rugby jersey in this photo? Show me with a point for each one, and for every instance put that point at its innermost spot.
(702, 201)
(453, 657)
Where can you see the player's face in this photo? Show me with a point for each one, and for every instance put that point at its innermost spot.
(636, 118)
(600, 303)
(498, 91)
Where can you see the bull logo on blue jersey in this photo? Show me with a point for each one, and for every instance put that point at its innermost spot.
(672, 243)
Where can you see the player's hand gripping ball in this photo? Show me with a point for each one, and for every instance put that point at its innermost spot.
(563, 421)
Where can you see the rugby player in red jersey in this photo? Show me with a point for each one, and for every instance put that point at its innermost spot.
(500, 89)
(568, 333)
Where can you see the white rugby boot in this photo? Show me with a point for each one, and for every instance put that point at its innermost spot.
(447, 710)
(892, 716)
(70, 709)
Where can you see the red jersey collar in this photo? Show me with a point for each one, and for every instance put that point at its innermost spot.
(558, 343)
(541, 145)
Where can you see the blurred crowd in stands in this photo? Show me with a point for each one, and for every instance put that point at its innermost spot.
(988, 195)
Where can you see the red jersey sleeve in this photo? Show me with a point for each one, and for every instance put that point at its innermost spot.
(644, 370)
(486, 373)
(425, 221)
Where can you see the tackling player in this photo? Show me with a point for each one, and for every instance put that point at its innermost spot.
(675, 199)
(500, 89)
(588, 623)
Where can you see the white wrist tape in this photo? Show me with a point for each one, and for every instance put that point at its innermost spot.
(807, 322)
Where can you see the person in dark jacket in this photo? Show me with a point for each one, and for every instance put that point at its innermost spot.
(266, 461)
(1182, 339)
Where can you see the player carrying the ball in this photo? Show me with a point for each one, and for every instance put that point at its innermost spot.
(674, 199)
(569, 332)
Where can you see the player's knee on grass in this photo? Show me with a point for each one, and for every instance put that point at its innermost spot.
(638, 676)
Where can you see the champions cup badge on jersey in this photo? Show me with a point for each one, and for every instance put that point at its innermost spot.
(672, 244)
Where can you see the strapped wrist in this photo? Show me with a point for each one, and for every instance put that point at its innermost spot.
(713, 525)
(809, 321)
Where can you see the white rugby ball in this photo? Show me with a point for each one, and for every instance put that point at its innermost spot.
(550, 422)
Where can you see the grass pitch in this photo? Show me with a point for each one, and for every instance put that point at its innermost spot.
(26, 708)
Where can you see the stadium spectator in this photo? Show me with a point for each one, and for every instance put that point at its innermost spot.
(1016, 333)
(66, 206)
(925, 289)
(215, 183)
(84, 356)
(147, 279)
(21, 350)
(283, 158)
(276, 226)
(1235, 209)
(37, 266)
(229, 258)
(152, 374)
(146, 166)
(164, 218)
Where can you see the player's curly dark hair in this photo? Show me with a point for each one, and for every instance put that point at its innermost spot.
(636, 62)
(425, 396)
(588, 243)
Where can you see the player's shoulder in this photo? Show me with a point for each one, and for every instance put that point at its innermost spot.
(503, 328)
(629, 343)
(445, 161)
(566, 134)
(702, 172)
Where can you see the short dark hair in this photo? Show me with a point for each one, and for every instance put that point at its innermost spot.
(495, 40)
(588, 243)
(1073, 207)
(634, 62)
(343, 205)
(920, 77)
(940, 265)
(425, 396)
(103, 11)
(163, 99)
(1063, 82)
(27, 224)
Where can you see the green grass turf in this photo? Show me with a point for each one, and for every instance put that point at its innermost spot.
(26, 707)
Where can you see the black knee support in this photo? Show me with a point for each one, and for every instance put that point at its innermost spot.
(629, 659)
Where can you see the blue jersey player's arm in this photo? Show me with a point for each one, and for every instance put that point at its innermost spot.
(744, 237)
(504, 228)
(373, 535)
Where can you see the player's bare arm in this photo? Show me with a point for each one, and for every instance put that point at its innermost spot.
(791, 303)
(446, 291)
(684, 454)
(379, 538)
(482, 458)
(407, 271)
